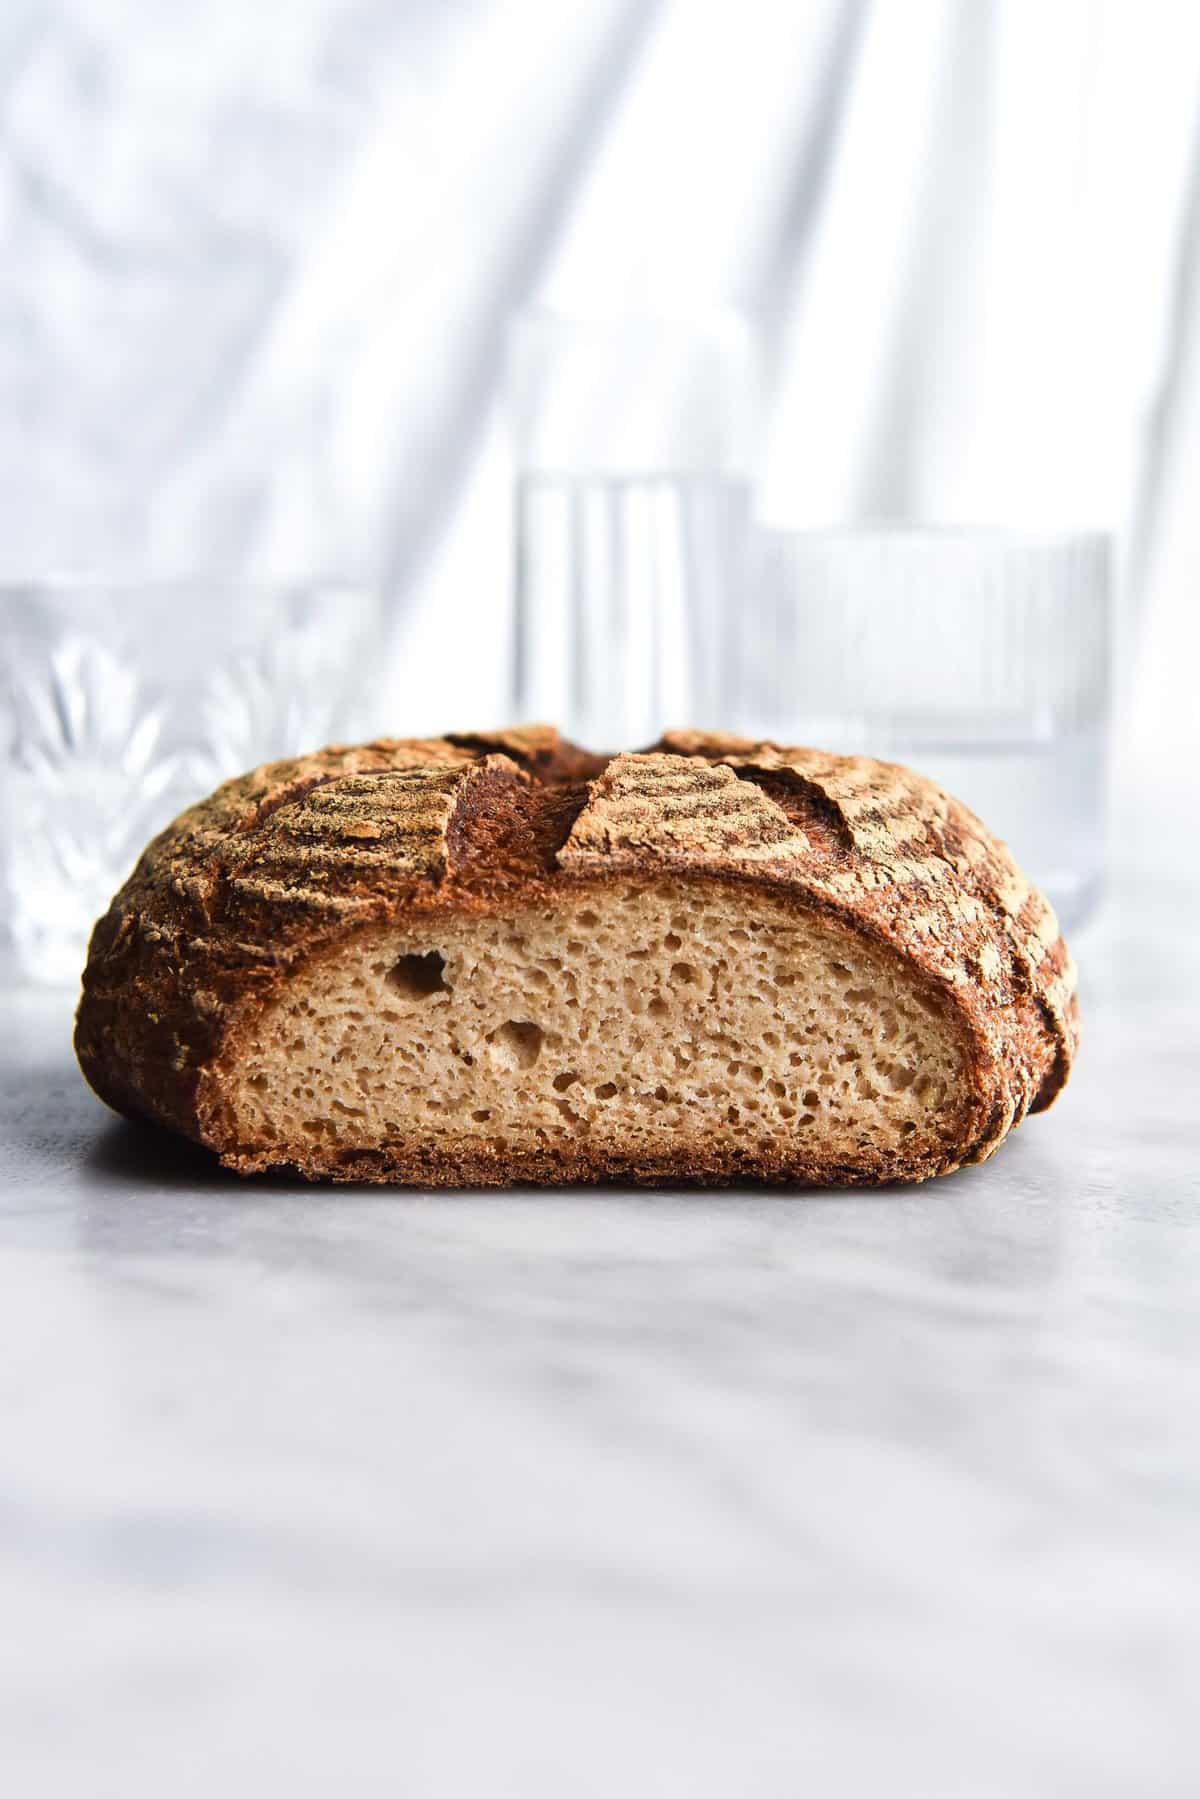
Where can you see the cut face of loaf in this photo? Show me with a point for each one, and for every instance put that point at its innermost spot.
(478, 960)
(678, 1028)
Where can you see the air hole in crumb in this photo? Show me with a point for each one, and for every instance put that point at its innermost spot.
(564, 1080)
(259, 1082)
(588, 919)
(518, 1042)
(684, 973)
(673, 941)
(416, 977)
(812, 1097)
(658, 1008)
(660, 1093)
(607, 1090)
(481, 1117)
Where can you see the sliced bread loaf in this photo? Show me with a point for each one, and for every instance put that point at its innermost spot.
(480, 960)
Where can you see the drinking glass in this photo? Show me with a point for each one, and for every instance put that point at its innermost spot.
(981, 658)
(632, 438)
(121, 704)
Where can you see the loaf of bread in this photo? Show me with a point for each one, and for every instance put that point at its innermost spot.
(482, 960)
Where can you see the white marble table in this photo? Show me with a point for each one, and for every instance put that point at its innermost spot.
(308, 1492)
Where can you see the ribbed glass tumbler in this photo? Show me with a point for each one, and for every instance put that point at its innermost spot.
(121, 704)
(980, 658)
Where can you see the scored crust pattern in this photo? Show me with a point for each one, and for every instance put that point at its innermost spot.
(289, 859)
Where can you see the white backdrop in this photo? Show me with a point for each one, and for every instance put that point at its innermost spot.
(255, 267)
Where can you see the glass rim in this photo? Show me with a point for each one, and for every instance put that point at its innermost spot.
(921, 535)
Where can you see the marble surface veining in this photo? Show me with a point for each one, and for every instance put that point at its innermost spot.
(597, 1493)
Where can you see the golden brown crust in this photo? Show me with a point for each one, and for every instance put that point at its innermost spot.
(285, 862)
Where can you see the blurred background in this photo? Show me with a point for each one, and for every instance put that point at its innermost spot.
(256, 272)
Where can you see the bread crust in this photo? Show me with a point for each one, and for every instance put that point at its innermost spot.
(287, 862)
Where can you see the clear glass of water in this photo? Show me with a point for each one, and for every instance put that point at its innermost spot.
(980, 658)
(121, 704)
(632, 440)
